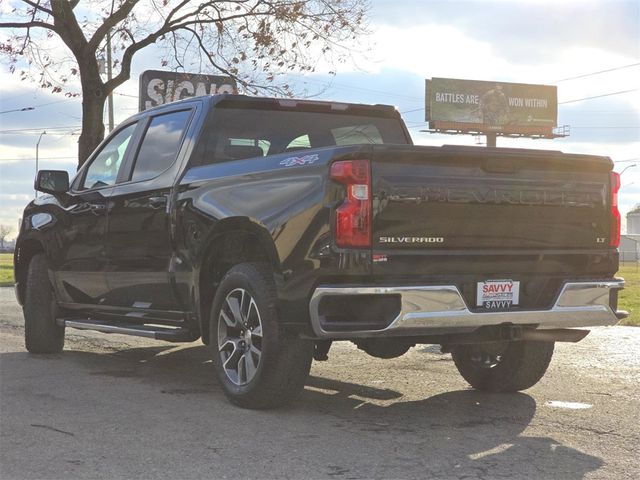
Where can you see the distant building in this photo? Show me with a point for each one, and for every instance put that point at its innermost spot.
(629, 248)
(633, 221)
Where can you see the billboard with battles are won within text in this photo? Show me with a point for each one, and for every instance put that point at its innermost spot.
(483, 106)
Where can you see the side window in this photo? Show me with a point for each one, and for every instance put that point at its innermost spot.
(300, 143)
(235, 148)
(249, 142)
(103, 170)
(160, 144)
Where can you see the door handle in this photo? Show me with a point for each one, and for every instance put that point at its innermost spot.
(157, 202)
(97, 209)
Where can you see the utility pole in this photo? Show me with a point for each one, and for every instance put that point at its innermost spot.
(109, 74)
(44, 132)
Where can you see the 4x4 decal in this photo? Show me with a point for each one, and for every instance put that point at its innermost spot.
(305, 160)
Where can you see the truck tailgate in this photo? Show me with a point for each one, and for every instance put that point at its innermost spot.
(471, 198)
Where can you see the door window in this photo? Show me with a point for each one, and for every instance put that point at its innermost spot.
(300, 143)
(160, 145)
(103, 170)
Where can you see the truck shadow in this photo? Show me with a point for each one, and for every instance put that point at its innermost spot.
(461, 433)
(362, 431)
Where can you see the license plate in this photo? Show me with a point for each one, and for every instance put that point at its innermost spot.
(498, 294)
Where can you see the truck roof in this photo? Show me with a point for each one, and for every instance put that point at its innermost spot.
(227, 100)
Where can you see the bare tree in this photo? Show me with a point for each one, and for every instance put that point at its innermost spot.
(253, 41)
(5, 230)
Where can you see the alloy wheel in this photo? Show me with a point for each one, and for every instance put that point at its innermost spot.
(240, 336)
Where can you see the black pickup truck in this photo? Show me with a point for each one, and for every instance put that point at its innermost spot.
(270, 228)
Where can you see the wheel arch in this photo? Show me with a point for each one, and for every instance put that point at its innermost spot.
(233, 241)
(22, 256)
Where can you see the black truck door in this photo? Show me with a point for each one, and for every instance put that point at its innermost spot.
(81, 271)
(140, 248)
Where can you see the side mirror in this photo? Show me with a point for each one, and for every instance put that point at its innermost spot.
(52, 181)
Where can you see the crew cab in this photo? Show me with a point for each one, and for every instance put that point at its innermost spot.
(270, 228)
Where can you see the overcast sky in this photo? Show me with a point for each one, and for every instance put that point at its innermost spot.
(536, 41)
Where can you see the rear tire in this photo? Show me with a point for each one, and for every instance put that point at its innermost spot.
(257, 365)
(41, 333)
(506, 367)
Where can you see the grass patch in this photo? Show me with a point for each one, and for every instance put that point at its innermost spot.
(6, 269)
(629, 298)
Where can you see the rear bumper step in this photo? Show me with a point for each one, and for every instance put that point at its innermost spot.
(167, 334)
(427, 310)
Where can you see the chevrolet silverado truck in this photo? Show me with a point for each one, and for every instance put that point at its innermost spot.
(270, 228)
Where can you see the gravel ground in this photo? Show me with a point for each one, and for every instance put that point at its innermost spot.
(122, 407)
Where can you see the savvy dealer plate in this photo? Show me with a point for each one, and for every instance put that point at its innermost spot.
(495, 294)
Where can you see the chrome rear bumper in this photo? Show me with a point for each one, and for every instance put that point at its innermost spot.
(427, 309)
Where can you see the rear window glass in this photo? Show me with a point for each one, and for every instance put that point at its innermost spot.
(357, 134)
(234, 134)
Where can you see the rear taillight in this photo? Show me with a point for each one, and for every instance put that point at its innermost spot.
(353, 217)
(614, 233)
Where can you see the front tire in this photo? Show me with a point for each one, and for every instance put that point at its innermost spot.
(41, 333)
(257, 365)
(507, 367)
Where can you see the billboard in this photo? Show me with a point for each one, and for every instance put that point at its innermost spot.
(481, 106)
(158, 87)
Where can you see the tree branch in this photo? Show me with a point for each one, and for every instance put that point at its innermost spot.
(111, 21)
(37, 6)
(27, 37)
(204, 50)
(68, 28)
(127, 57)
(37, 23)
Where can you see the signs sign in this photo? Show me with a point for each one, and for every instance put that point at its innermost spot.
(158, 87)
(480, 106)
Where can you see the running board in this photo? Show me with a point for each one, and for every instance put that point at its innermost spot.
(167, 334)
(622, 314)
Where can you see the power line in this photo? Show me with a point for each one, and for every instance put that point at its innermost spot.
(562, 103)
(599, 127)
(33, 158)
(39, 129)
(598, 72)
(53, 103)
(330, 84)
(411, 111)
(24, 109)
(599, 96)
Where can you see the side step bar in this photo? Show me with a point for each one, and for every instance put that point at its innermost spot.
(167, 334)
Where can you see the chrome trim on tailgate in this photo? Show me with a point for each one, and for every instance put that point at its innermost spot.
(425, 309)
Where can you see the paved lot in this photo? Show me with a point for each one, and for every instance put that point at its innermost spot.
(121, 407)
